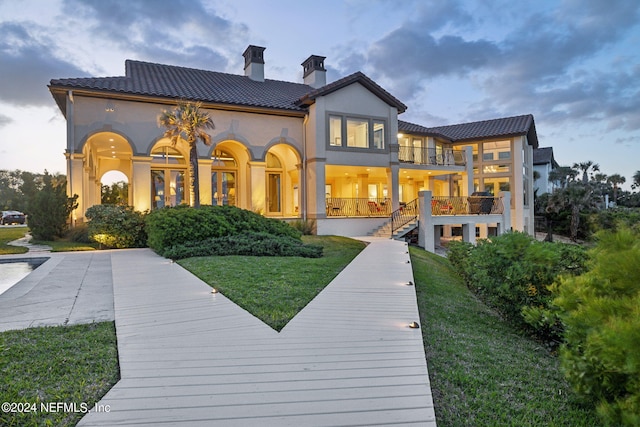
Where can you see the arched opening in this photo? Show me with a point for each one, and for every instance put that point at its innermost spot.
(283, 194)
(115, 188)
(105, 154)
(169, 178)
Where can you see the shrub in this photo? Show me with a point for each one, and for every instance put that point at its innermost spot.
(514, 273)
(50, 209)
(306, 227)
(182, 224)
(116, 226)
(247, 243)
(601, 313)
(78, 234)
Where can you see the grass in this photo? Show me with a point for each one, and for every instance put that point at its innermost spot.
(275, 289)
(8, 234)
(63, 245)
(481, 372)
(69, 364)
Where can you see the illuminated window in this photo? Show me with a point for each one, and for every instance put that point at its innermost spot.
(335, 131)
(358, 133)
(351, 132)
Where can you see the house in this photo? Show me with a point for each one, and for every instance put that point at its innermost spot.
(544, 163)
(333, 152)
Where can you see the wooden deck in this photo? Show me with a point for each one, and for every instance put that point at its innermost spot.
(189, 357)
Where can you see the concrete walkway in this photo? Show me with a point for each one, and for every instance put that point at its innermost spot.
(192, 358)
(68, 288)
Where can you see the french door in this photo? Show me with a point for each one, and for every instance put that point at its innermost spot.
(274, 192)
(223, 188)
(168, 187)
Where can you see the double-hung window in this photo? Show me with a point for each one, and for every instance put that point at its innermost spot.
(356, 132)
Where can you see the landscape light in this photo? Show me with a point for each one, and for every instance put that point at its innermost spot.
(414, 325)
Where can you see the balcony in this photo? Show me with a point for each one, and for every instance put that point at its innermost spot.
(431, 156)
(472, 205)
(358, 207)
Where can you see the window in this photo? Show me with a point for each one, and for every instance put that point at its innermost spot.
(500, 150)
(352, 132)
(378, 134)
(357, 133)
(335, 131)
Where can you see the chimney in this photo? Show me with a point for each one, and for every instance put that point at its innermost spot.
(315, 75)
(254, 63)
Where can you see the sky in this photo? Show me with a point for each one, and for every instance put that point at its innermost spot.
(573, 64)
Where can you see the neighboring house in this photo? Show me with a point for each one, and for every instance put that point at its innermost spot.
(544, 163)
(335, 152)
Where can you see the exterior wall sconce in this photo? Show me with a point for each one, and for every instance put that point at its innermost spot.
(110, 108)
(414, 325)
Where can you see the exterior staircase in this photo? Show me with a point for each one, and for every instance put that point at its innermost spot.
(385, 230)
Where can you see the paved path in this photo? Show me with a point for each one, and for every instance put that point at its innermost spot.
(69, 288)
(192, 358)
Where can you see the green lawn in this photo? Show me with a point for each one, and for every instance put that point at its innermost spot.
(8, 234)
(482, 373)
(275, 289)
(69, 364)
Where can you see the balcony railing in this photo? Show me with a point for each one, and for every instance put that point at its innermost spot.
(360, 207)
(440, 205)
(472, 205)
(431, 156)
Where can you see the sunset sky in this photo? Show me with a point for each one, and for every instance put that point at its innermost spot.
(574, 65)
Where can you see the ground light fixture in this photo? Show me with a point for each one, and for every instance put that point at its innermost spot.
(409, 283)
(414, 325)
(214, 291)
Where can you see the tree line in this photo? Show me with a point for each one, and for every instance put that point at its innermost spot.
(581, 190)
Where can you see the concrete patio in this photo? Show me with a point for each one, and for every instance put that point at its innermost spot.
(189, 357)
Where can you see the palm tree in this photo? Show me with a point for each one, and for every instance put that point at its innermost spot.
(186, 122)
(615, 180)
(584, 167)
(636, 180)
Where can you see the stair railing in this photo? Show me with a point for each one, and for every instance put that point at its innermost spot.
(404, 215)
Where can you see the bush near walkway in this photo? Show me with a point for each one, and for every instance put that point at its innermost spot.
(116, 226)
(513, 273)
(186, 226)
(601, 313)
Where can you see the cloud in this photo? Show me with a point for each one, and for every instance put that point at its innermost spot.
(551, 61)
(5, 120)
(27, 65)
(179, 32)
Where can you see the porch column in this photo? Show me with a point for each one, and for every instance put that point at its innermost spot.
(258, 186)
(467, 184)
(426, 231)
(316, 180)
(393, 178)
(204, 173)
(75, 172)
(506, 213)
(469, 232)
(140, 185)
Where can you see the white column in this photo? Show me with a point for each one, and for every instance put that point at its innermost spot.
(426, 230)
